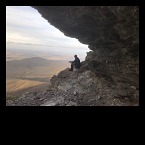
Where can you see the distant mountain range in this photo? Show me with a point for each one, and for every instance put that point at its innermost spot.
(35, 61)
(33, 64)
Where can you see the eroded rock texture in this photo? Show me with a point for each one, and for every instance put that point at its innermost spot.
(110, 73)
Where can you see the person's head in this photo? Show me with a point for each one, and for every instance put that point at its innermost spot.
(75, 56)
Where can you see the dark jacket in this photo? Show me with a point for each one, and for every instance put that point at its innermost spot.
(77, 63)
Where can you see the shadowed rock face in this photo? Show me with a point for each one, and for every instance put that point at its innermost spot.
(111, 70)
(97, 26)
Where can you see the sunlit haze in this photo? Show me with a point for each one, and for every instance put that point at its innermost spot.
(26, 30)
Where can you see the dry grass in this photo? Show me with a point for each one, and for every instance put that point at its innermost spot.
(18, 84)
(30, 74)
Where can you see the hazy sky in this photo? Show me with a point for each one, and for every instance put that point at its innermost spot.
(26, 29)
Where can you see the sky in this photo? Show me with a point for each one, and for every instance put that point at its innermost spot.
(26, 29)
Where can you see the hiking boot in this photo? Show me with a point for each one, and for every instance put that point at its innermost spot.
(70, 70)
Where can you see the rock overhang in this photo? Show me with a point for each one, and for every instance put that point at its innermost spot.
(96, 26)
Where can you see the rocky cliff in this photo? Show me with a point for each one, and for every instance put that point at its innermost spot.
(110, 73)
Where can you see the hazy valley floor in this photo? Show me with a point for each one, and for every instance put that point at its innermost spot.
(30, 74)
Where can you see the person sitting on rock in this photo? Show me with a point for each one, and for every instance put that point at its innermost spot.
(76, 63)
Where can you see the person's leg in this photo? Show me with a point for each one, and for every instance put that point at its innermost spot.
(71, 67)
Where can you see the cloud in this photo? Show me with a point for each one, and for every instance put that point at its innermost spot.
(25, 26)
